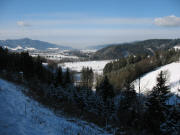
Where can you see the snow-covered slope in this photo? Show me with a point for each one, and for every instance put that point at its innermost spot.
(20, 115)
(148, 81)
(177, 47)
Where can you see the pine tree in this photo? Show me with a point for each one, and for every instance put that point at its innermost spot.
(91, 78)
(173, 121)
(157, 108)
(127, 107)
(129, 94)
(59, 77)
(87, 77)
(38, 67)
(162, 88)
(68, 78)
(105, 89)
(27, 65)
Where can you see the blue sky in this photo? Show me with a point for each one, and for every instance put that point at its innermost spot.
(81, 23)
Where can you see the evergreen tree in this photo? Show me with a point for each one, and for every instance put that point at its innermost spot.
(27, 65)
(129, 94)
(68, 78)
(127, 110)
(59, 77)
(172, 124)
(38, 67)
(162, 88)
(91, 78)
(105, 89)
(87, 77)
(157, 108)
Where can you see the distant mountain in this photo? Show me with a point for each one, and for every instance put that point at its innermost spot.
(140, 47)
(29, 44)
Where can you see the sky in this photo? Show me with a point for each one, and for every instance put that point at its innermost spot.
(82, 23)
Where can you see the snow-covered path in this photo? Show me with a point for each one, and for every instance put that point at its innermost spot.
(20, 115)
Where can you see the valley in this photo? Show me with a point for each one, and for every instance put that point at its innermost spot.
(89, 67)
(77, 90)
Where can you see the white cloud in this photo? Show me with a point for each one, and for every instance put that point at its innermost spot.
(167, 21)
(23, 24)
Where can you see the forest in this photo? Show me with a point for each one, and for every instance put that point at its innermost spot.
(146, 47)
(135, 66)
(114, 105)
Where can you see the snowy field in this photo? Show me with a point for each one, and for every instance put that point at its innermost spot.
(97, 66)
(88, 50)
(148, 81)
(20, 115)
(54, 56)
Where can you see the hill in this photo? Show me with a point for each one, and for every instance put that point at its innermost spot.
(147, 47)
(148, 81)
(21, 115)
(29, 44)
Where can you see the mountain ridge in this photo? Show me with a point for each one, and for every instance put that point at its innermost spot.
(146, 47)
(30, 43)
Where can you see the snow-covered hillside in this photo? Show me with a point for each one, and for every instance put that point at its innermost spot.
(97, 66)
(177, 47)
(20, 115)
(148, 81)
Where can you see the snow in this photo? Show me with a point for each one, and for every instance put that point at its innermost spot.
(177, 47)
(148, 81)
(20, 115)
(18, 48)
(30, 49)
(45, 64)
(88, 50)
(21, 48)
(97, 66)
(53, 48)
(14, 49)
(54, 56)
(60, 56)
